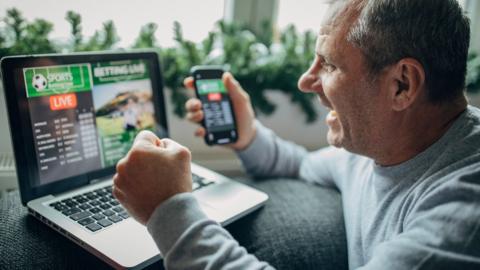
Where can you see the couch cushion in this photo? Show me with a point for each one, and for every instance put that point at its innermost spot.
(300, 227)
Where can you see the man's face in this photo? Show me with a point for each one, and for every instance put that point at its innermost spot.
(340, 77)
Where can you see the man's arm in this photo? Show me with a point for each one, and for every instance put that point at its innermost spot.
(189, 240)
(268, 155)
(442, 232)
(153, 182)
(261, 151)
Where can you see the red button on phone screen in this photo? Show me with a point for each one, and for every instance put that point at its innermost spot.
(214, 97)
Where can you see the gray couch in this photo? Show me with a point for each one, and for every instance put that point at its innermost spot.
(300, 227)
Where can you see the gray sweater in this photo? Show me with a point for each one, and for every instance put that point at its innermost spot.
(421, 214)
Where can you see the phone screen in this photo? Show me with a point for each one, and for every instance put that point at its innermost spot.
(219, 120)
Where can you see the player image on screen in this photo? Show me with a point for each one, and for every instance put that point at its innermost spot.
(122, 96)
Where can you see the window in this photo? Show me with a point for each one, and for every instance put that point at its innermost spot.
(305, 14)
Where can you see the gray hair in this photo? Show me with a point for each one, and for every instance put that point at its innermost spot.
(434, 32)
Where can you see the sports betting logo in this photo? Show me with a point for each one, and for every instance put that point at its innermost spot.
(39, 82)
(52, 80)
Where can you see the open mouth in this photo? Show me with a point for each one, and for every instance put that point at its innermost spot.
(332, 115)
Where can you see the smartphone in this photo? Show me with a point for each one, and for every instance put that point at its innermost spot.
(219, 118)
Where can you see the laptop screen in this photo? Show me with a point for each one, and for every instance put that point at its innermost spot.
(85, 116)
(79, 115)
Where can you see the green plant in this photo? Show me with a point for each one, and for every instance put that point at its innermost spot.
(101, 40)
(259, 64)
(26, 37)
(257, 67)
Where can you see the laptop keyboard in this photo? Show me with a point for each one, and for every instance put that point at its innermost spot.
(98, 209)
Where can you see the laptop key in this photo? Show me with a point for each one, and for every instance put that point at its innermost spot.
(86, 221)
(206, 182)
(95, 210)
(98, 216)
(91, 196)
(118, 209)
(71, 204)
(71, 211)
(195, 185)
(124, 215)
(80, 215)
(115, 218)
(104, 222)
(105, 206)
(66, 200)
(61, 207)
(82, 200)
(104, 199)
(94, 203)
(102, 193)
(108, 213)
(114, 202)
(94, 227)
(85, 206)
(196, 177)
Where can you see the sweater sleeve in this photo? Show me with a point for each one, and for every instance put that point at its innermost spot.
(441, 232)
(189, 240)
(270, 156)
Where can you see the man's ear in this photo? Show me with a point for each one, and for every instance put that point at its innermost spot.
(406, 83)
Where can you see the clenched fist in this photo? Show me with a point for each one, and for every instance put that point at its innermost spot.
(153, 171)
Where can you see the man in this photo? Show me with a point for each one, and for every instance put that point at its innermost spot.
(405, 155)
(130, 115)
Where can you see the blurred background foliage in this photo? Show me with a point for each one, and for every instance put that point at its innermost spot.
(260, 63)
(257, 62)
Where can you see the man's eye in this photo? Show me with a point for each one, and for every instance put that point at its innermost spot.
(328, 67)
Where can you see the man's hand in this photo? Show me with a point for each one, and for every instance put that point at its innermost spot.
(152, 171)
(241, 105)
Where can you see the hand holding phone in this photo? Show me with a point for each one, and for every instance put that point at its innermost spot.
(244, 115)
(219, 117)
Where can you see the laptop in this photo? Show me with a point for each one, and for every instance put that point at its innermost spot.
(70, 119)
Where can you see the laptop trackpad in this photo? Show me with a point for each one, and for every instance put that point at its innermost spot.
(227, 197)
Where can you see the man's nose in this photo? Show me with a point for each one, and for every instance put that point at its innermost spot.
(309, 82)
